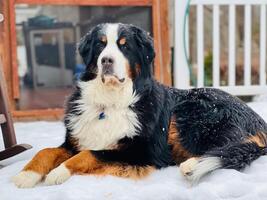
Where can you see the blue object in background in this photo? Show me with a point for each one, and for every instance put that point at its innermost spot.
(79, 69)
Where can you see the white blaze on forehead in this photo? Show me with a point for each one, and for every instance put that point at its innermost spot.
(112, 33)
(112, 50)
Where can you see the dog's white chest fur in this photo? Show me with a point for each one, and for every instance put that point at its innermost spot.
(93, 132)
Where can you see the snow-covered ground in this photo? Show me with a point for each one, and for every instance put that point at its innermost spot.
(165, 184)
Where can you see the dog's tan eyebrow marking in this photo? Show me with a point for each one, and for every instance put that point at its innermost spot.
(103, 38)
(122, 41)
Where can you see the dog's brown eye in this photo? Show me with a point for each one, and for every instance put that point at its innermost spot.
(122, 41)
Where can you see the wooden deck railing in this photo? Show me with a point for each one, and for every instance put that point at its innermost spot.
(181, 72)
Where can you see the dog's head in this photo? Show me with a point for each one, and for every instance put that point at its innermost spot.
(117, 53)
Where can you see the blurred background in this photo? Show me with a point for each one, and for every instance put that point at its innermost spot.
(199, 43)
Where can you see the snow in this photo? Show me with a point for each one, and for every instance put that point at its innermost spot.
(165, 184)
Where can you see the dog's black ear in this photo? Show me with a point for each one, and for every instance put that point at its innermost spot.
(145, 45)
(85, 48)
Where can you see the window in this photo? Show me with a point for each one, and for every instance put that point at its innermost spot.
(46, 42)
(44, 63)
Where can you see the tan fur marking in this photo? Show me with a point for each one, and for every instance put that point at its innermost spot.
(122, 41)
(111, 81)
(138, 68)
(129, 72)
(86, 163)
(103, 39)
(133, 172)
(83, 162)
(46, 160)
(260, 139)
(133, 73)
(179, 153)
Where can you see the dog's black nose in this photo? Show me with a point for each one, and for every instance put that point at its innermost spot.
(107, 65)
(108, 61)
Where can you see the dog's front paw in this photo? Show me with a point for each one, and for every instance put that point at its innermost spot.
(26, 179)
(58, 175)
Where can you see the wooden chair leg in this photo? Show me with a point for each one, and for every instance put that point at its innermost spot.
(7, 127)
(6, 123)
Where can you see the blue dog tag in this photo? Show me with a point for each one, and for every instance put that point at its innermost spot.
(101, 116)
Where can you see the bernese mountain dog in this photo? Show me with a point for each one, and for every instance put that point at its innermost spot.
(120, 121)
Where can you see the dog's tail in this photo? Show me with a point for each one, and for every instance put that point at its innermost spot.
(233, 156)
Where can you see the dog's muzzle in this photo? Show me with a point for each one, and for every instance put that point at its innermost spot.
(108, 71)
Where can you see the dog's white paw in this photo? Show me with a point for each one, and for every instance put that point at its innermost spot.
(58, 175)
(26, 179)
(194, 168)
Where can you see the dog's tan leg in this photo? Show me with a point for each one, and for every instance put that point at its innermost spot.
(41, 164)
(86, 163)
